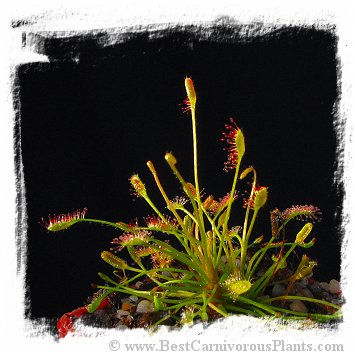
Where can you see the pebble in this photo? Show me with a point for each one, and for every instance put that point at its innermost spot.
(305, 292)
(324, 286)
(126, 300)
(278, 290)
(138, 284)
(145, 306)
(298, 306)
(302, 283)
(316, 289)
(334, 286)
(325, 296)
(120, 313)
(133, 298)
(125, 321)
(126, 306)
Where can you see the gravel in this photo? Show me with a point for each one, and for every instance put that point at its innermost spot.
(144, 306)
(135, 312)
(334, 287)
(298, 306)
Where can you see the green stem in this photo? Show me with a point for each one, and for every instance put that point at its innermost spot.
(183, 282)
(231, 198)
(163, 193)
(245, 240)
(245, 226)
(201, 222)
(184, 258)
(194, 142)
(228, 211)
(255, 312)
(307, 315)
(107, 223)
(261, 253)
(302, 298)
(217, 309)
(261, 306)
(261, 283)
(185, 303)
(151, 204)
(192, 200)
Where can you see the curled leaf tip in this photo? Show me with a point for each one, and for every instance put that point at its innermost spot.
(191, 94)
(63, 221)
(138, 186)
(236, 146)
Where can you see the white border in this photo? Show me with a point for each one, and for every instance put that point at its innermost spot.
(84, 15)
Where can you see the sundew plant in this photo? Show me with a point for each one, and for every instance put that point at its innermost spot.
(200, 266)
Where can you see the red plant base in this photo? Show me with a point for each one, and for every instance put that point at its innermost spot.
(65, 323)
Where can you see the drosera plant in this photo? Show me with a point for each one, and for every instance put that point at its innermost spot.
(198, 264)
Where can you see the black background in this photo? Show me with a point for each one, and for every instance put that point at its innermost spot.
(95, 114)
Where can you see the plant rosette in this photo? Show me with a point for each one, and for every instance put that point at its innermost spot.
(200, 267)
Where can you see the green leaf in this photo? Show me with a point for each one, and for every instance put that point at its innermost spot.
(307, 245)
(188, 223)
(221, 219)
(303, 233)
(246, 172)
(158, 305)
(113, 260)
(258, 240)
(260, 198)
(235, 287)
(241, 286)
(277, 259)
(96, 303)
(107, 278)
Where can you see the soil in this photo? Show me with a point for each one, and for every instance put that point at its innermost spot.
(127, 312)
